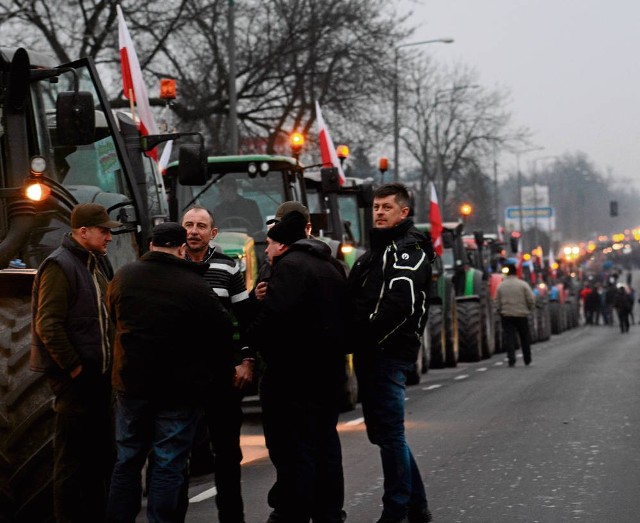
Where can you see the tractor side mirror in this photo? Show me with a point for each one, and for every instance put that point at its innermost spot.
(75, 118)
(192, 168)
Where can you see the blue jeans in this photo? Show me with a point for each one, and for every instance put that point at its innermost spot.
(382, 386)
(142, 427)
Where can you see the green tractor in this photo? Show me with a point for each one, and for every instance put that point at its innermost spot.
(243, 192)
(59, 146)
(461, 320)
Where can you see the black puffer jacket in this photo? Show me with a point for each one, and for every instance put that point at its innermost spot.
(173, 336)
(389, 289)
(300, 330)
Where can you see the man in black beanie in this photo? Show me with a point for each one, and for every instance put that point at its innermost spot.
(302, 325)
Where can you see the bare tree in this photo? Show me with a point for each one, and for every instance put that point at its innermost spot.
(290, 53)
(451, 123)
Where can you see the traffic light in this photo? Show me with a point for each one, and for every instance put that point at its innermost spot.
(514, 240)
(613, 208)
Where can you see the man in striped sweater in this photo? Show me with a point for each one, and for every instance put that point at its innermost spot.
(223, 411)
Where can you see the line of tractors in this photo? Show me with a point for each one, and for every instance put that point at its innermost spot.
(62, 144)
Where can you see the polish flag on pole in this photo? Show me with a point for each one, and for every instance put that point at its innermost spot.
(327, 150)
(132, 81)
(436, 221)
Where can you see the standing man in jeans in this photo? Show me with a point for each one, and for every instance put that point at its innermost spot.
(389, 287)
(515, 301)
(161, 371)
(71, 343)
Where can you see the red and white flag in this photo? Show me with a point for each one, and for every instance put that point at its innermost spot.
(132, 81)
(436, 221)
(327, 150)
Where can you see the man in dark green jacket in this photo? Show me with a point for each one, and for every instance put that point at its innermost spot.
(71, 343)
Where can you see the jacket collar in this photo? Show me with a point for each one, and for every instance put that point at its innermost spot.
(170, 259)
(380, 238)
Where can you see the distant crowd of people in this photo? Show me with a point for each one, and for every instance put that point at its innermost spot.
(600, 300)
(142, 361)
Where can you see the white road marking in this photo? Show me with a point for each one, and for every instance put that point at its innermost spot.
(481, 369)
(461, 377)
(498, 363)
(431, 387)
(204, 495)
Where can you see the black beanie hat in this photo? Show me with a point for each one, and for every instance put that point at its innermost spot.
(290, 229)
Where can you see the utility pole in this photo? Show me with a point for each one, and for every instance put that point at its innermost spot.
(233, 102)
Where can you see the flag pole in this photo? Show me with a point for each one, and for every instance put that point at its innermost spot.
(132, 104)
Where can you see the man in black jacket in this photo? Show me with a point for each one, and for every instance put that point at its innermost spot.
(389, 288)
(300, 332)
(161, 369)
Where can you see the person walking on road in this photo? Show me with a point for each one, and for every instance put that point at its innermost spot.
(515, 301)
(623, 304)
(389, 288)
(71, 343)
(162, 368)
(222, 407)
(300, 332)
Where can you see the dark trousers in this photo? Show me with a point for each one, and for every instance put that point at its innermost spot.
(304, 447)
(623, 318)
(83, 450)
(220, 442)
(142, 426)
(224, 421)
(512, 326)
(382, 387)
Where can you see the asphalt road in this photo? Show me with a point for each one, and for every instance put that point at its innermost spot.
(555, 442)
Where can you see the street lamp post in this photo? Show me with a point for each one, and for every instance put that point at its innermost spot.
(535, 197)
(233, 99)
(396, 124)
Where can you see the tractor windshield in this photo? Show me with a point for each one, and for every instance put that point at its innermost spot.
(238, 202)
(79, 173)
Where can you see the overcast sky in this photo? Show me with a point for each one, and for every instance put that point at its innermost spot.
(572, 67)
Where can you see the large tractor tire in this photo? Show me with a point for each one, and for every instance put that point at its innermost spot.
(556, 315)
(437, 334)
(350, 387)
(26, 422)
(488, 325)
(452, 334)
(415, 374)
(498, 330)
(544, 326)
(421, 365)
(469, 330)
(533, 326)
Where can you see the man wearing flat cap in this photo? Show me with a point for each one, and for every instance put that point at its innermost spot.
(71, 343)
(161, 370)
(300, 332)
